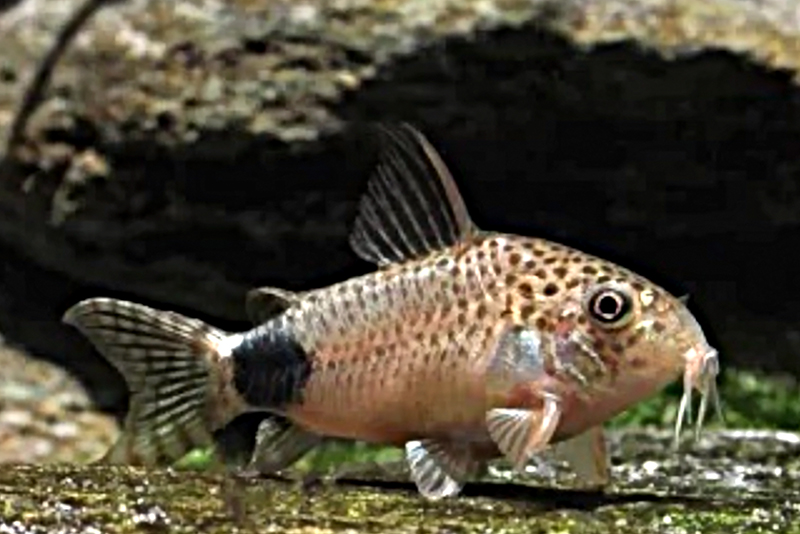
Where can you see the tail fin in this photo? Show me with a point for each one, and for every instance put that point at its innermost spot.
(167, 360)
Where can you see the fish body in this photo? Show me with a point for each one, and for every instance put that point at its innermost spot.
(410, 350)
(463, 346)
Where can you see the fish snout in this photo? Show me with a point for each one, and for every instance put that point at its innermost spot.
(701, 371)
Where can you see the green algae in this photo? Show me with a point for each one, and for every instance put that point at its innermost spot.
(731, 482)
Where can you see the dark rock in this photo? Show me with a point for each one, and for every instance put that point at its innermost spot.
(180, 160)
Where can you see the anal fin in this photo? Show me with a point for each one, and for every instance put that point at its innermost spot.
(587, 455)
(440, 469)
(279, 444)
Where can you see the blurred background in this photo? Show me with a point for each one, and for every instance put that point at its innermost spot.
(180, 153)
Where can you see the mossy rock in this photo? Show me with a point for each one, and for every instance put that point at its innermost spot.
(728, 483)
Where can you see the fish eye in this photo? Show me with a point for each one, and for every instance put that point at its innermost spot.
(611, 307)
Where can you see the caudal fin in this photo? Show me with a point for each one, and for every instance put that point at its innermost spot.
(167, 361)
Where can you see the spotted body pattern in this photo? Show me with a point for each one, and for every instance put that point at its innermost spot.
(399, 345)
(463, 346)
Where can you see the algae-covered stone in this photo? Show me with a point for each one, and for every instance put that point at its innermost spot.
(730, 483)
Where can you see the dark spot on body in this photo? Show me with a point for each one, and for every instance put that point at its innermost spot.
(617, 347)
(637, 363)
(573, 283)
(659, 327)
(560, 272)
(530, 265)
(271, 368)
(638, 286)
(540, 273)
(527, 311)
(538, 252)
(603, 279)
(550, 260)
(511, 279)
(589, 269)
(550, 289)
(526, 290)
(541, 323)
(515, 259)
(441, 263)
(482, 311)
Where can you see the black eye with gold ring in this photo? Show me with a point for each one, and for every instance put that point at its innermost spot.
(609, 306)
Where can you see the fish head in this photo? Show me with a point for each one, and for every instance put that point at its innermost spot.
(651, 338)
(623, 336)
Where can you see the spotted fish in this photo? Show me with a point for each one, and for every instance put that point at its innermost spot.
(463, 346)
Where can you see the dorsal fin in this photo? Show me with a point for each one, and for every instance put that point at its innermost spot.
(412, 206)
(264, 303)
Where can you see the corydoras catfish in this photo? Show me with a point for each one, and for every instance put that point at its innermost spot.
(462, 346)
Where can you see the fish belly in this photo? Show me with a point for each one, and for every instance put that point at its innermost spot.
(407, 393)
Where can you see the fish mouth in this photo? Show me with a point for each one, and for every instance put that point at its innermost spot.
(702, 368)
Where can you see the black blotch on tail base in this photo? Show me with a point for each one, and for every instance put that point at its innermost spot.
(271, 368)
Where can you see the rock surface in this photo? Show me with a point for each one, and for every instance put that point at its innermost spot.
(730, 483)
(46, 416)
(189, 150)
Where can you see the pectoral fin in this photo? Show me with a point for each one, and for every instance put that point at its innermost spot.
(440, 469)
(587, 455)
(517, 358)
(519, 433)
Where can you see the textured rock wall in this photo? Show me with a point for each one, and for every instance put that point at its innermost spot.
(187, 151)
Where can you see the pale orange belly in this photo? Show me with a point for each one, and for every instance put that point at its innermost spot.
(411, 402)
